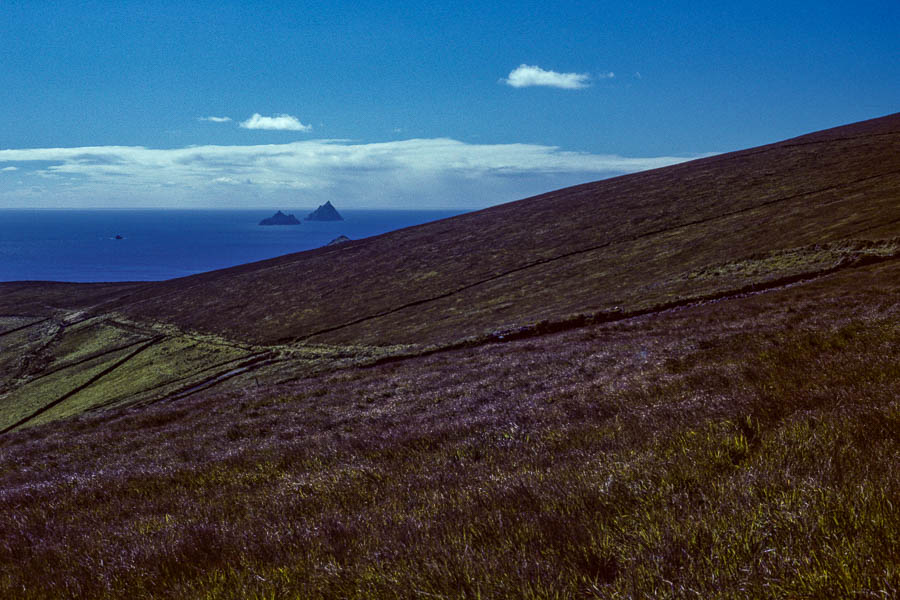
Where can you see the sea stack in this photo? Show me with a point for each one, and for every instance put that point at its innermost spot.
(325, 212)
(341, 239)
(280, 218)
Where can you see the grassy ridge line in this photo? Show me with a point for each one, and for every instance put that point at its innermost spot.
(170, 330)
(603, 317)
(734, 435)
(580, 251)
(81, 387)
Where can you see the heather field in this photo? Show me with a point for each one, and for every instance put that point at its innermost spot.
(745, 448)
(683, 383)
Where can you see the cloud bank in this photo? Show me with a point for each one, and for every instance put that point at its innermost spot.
(277, 123)
(529, 76)
(415, 173)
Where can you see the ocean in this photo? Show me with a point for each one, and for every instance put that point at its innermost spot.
(81, 245)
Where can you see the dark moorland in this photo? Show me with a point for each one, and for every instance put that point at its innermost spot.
(679, 383)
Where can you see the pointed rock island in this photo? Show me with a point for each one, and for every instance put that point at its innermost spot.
(341, 239)
(325, 212)
(280, 218)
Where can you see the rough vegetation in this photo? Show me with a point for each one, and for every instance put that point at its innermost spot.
(743, 448)
(597, 246)
(692, 410)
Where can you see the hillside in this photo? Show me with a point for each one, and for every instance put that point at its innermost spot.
(679, 383)
(598, 252)
(628, 241)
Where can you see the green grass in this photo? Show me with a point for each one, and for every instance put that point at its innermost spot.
(36, 394)
(49, 361)
(89, 338)
(166, 367)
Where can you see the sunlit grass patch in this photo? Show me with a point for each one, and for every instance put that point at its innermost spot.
(171, 362)
(88, 338)
(31, 397)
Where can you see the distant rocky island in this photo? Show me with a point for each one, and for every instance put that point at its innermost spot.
(341, 239)
(280, 218)
(325, 212)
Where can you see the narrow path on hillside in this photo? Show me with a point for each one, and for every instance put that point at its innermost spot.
(580, 251)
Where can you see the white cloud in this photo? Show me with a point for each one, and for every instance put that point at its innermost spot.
(528, 76)
(424, 173)
(216, 119)
(607, 75)
(278, 122)
(9, 169)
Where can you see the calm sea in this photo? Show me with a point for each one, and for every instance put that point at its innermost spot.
(72, 245)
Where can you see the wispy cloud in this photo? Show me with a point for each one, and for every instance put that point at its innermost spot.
(9, 169)
(417, 172)
(278, 123)
(216, 119)
(607, 75)
(529, 76)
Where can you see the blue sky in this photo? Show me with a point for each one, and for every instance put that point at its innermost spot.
(411, 105)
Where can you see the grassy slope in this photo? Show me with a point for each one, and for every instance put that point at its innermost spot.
(44, 298)
(586, 248)
(65, 365)
(30, 397)
(747, 448)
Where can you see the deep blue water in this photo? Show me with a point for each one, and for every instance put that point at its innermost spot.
(73, 245)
